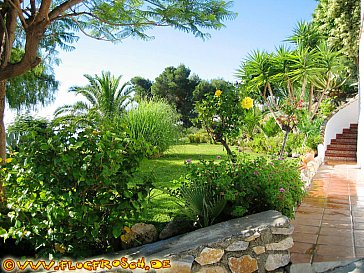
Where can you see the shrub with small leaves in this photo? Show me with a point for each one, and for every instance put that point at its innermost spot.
(68, 187)
(247, 185)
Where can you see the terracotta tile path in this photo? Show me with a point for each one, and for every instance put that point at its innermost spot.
(329, 224)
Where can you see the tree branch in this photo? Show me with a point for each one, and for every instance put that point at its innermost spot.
(33, 8)
(93, 37)
(16, 6)
(75, 14)
(43, 10)
(14, 70)
(9, 33)
(62, 8)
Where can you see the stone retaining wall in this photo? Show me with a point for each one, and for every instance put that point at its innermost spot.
(309, 172)
(255, 243)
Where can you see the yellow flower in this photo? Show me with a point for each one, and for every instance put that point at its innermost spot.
(218, 93)
(60, 248)
(247, 103)
(9, 160)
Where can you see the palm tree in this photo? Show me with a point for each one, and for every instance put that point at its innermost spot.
(303, 74)
(103, 97)
(306, 34)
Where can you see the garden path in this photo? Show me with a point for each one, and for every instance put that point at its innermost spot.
(329, 224)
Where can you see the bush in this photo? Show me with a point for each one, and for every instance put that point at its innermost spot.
(154, 122)
(263, 144)
(67, 187)
(201, 136)
(270, 127)
(248, 186)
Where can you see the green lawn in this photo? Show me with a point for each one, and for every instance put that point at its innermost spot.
(170, 166)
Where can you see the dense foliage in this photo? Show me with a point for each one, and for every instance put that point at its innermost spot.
(153, 122)
(68, 187)
(175, 85)
(211, 191)
(339, 22)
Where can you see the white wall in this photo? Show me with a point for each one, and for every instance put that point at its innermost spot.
(341, 120)
(360, 151)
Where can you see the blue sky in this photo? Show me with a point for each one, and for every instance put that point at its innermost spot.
(261, 24)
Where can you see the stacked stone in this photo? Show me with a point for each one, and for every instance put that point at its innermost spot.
(255, 243)
(264, 251)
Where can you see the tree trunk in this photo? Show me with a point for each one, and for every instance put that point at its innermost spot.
(310, 100)
(284, 143)
(2, 134)
(228, 151)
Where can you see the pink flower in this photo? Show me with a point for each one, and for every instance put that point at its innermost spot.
(282, 190)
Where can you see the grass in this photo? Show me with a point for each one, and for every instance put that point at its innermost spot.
(162, 206)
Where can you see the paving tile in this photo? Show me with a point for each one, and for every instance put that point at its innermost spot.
(337, 206)
(303, 215)
(335, 231)
(303, 248)
(358, 214)
(298, 258)
(310, 209)
(322, 258)
(306, 229)
(359, 238)
(340, 224)
(358, 226)
(358, 219)
(334, 250)
(359, 251)
(334, 210)
(306, 221)
(304, 238)
(342, 240)
(345, 212)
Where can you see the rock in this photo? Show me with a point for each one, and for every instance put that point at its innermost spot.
(245, 264)
(213, 269)
(178, 267)
(255, 236)
(283, 231)
(275, 261)
(145, 233)
(259, 250)
(210, 256)
(238, 246)
(282, 245)
(176, 227)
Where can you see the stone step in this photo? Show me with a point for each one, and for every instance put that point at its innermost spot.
(350, 131)
(340, 136)
(339, 158)
(344, 141)
(340, 153)
(342, 147)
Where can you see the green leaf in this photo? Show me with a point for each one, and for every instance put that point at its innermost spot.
(117, 230)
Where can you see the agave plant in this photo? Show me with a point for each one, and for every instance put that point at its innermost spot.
(201, 203)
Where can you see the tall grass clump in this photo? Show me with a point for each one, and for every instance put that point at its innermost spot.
(154, 122)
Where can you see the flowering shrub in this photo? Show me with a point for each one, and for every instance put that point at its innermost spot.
(221, 114)
(248, 186)
(247, 103)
